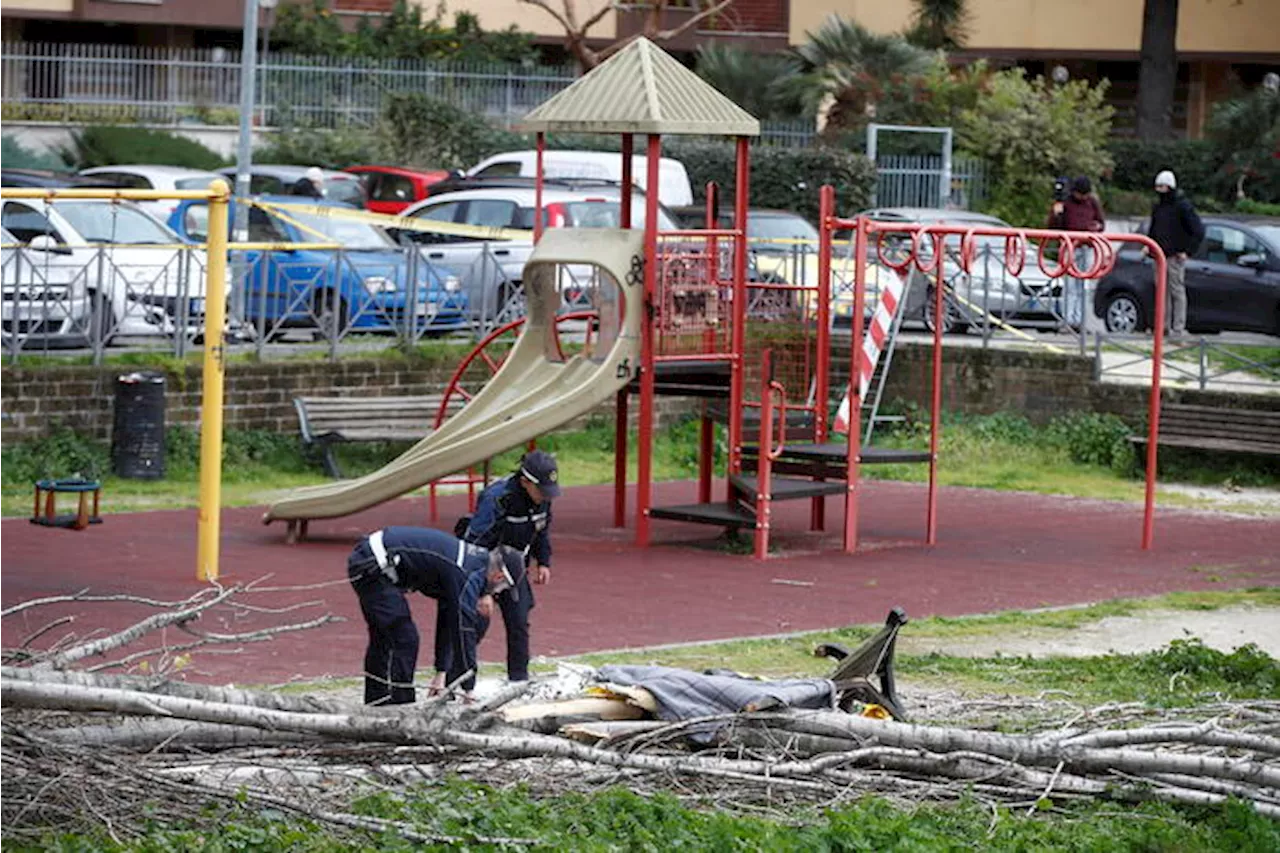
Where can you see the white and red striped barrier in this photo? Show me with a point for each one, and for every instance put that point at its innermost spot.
(873, 341)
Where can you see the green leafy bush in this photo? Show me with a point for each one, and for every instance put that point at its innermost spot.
(15, 155)
(1247, 667)
(310, 146)
(1117, 202)
(1094, 439)
(1136, 164)
(784, 178)
(105, 145)
(63, 453)
(1030, 131)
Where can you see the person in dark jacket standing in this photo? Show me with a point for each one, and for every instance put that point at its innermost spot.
(516, 511)
(1080, 211)
(461, 577)
(1177, 229)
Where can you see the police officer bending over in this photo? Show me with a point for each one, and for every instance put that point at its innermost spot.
(516, 511)
(462, 577)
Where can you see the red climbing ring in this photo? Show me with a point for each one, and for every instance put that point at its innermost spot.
(968, 250)
(1065, 248)
(1015, 253)
(495, 360)
(898, 267)
(939, 244)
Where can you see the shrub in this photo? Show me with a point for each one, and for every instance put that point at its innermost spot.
(105, 145)
(1137, 162)
(1031, 131)
(309, 146)
(1118, 202)
(785, 178)
(1094, 439)
(15, 155)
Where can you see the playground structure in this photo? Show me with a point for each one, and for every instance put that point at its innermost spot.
(677, 315)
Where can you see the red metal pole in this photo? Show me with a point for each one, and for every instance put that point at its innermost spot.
(620, 461)
(935, 414)
(764, 473)
(854, 451)
(644, 451)
(628, 155)
(1153, 406)
(822, 387)
(738, 332)
(537, 187)
(706, 436)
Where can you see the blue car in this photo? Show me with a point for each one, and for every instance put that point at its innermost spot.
(367, 285)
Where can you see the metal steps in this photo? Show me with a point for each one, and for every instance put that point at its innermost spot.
(720, 514)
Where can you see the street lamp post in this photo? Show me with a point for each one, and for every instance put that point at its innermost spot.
(248, 84)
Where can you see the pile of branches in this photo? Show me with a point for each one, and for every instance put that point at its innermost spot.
(91, 751)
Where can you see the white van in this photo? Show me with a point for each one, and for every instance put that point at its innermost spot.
(673, 181)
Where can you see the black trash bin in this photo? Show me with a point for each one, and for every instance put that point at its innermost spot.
(137, 435)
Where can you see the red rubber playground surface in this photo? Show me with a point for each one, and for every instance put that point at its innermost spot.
(995, 551)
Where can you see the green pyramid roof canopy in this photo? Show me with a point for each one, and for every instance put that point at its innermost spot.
(642, 89)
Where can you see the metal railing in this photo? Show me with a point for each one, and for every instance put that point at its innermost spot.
(80, 83)
(1208, 365)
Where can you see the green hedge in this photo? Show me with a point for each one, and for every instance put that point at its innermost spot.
(783, 178)
(105, 145)
(1193, 161)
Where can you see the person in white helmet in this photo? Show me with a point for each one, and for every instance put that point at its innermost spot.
(1177, 229)
(311, 184)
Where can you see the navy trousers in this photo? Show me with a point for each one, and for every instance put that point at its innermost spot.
(515, 605)
(392, 654)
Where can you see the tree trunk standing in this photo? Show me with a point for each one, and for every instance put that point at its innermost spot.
(1158, 70)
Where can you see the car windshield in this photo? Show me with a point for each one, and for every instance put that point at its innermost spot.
(195, 183)
(767, 226)
(352, 234)
(1270, 233)
(103, 222)
(345, 190)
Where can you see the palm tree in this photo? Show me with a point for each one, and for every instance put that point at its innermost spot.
(757, 82)
(844, 66)
(939, 24)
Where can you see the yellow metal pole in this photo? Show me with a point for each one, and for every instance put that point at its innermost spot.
(215, 308)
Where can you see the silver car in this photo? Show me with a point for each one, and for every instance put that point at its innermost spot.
(44, 292)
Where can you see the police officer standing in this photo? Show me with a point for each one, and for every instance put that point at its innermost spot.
(516, 511)
(461, 577)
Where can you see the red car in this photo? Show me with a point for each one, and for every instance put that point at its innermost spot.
(390, 189)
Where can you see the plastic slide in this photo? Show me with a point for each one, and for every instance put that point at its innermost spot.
(536, 390)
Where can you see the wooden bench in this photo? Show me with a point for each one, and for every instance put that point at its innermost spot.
(1211, 428)
(328, 421)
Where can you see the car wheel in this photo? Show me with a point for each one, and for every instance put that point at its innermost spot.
(330, 311)
(951, 322)
(1123, 314)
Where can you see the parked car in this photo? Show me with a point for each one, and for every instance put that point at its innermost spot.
(390, 189)
(674, 188)
(46, 179)
(272, 179)
(365, 286)
(1233, 281)
(493, 268)
(152, 178)
(989, 292)
(43, 292)
(145, 290)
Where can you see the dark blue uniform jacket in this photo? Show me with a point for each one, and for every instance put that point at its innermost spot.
(506, 515)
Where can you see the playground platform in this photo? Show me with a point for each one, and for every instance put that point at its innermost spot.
(995, 551)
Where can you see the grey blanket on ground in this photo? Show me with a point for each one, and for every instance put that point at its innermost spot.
(685, 695)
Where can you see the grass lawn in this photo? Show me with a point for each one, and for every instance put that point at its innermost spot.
(1085, 456)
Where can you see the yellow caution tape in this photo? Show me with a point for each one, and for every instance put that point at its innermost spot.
(1005, 326)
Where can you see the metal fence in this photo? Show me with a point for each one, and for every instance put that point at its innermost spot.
(171, 86)
(916, 181)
